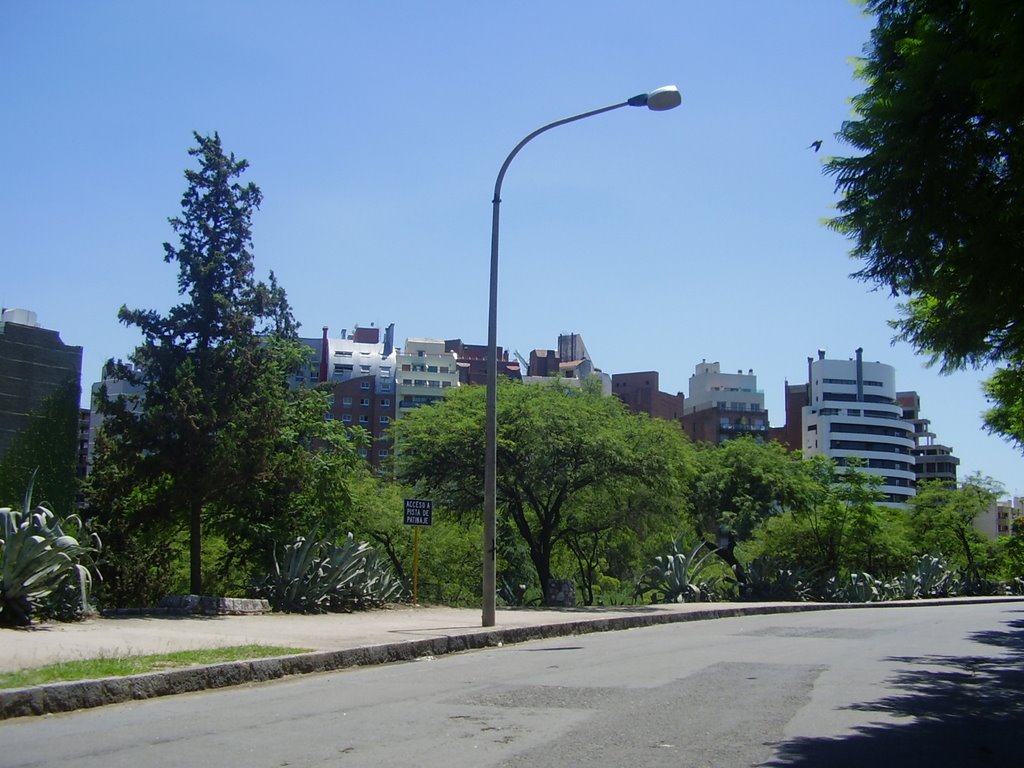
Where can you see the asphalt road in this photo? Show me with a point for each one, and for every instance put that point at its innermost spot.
(921, 686)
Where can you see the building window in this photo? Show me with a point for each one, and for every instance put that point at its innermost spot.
(364, 368)
(385, 387)
(346, 402)
(382, 453)
(384, 419)
(364, 385)
(364, 402)
(347, 418)
(385, 402)
(364, 419)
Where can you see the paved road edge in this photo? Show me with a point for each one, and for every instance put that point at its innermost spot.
(85, 694)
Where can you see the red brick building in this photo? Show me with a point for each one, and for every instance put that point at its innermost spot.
(640, 391)
(471, 360)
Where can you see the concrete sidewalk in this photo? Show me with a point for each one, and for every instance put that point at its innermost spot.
(335, 641)
(138, 635)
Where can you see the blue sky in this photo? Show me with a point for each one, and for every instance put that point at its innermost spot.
(376, 130)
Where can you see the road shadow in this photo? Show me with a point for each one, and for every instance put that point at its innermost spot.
(961, 711)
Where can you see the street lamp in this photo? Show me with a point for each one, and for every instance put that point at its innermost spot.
(657, 100)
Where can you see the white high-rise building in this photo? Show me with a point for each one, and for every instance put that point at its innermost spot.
(853, 412)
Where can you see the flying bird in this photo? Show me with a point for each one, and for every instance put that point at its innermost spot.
(815, 145)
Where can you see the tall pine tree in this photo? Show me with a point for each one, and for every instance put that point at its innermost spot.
(211, 439)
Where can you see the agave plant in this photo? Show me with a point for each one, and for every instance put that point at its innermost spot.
(973, 585)
(862, 588)
(376, 583)
(931, 576)
(766, 579)
(319, 575)
(37, 558)
(674, 578)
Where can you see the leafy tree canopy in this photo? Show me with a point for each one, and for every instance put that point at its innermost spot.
(741, 483)
(942, 521)
(554, 443)
(933, 201)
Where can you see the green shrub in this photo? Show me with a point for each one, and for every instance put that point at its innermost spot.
(374, 585)
(931, 576)
(767, 579)
(38, 560)
(675, 578)
(320, 576)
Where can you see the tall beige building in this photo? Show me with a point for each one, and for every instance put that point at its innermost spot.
(425, 371)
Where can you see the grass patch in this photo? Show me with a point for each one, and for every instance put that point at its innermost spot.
(119, 666)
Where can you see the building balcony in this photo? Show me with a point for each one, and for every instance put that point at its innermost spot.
(742, 428)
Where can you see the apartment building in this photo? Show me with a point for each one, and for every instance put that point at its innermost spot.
(721, 406)
(932, 460)
(641, 392)
(114, 388)
(571, 361)
(425, 369)
(790, 434)
(361, 366)
(998, 520)
(34, 365)
(852, 411)
(471, 362)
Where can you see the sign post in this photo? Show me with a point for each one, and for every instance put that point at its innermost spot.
(418, 513)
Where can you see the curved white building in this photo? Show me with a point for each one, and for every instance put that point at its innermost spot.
(853, 412)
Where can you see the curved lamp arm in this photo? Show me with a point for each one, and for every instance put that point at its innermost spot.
(658, 100)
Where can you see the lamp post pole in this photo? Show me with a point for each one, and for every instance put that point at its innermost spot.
(658, 100)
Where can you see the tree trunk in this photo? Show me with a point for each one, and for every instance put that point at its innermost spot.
(195, 546)
(544, 573)
(972, 567)
(728, 553)
(541, 557)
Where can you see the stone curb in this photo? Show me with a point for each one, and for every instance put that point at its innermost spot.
(85, 694)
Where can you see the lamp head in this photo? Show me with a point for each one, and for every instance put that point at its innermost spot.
(658, 100)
